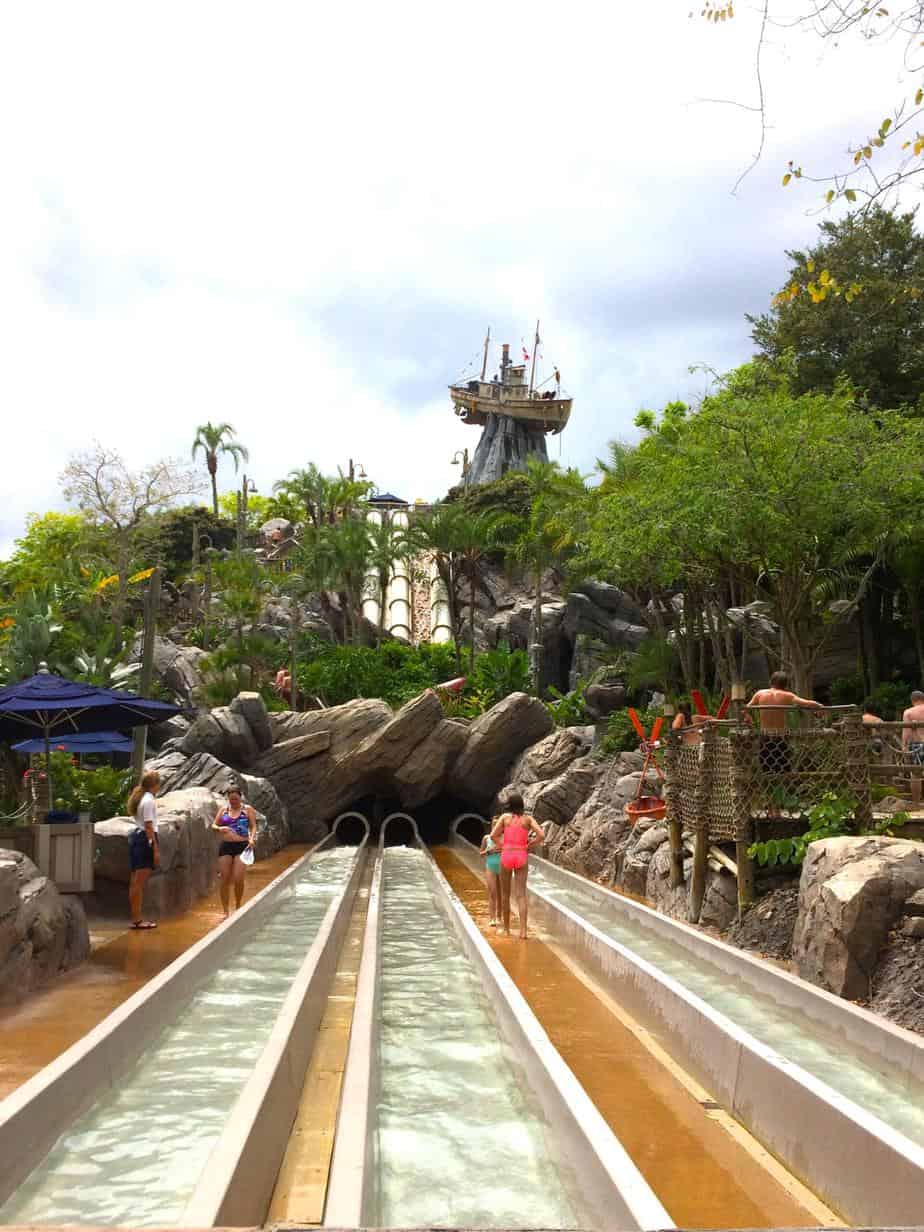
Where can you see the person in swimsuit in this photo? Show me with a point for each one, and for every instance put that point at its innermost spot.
(492, 873)
(516, 831)
(143, 847)
(774, 747)
(913, 742)
(237, 825)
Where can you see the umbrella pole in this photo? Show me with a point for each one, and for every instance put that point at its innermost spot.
(51, 798)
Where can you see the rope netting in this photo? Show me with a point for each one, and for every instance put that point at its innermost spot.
(727, 777)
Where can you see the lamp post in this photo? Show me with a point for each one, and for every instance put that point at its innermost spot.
(362, 476)
(247, 486)
(465, 465)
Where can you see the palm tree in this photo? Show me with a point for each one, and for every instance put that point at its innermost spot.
(348, 547)
(479, 535)
(324, 498)
(215, 439)
(388, 544)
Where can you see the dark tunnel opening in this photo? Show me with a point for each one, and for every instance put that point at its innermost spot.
(472, 828)
(351, 830)
(433, 820)
(399, 832)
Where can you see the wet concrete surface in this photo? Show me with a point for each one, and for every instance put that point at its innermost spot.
(695, 1159)
(123, 960)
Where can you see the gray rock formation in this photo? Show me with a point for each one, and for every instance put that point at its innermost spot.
(176, 667)
(423, 774)
(851, 893)
(42, 932)
(373, 765)
(493, 743)
(188, 851)
(297, 766)
(504, 445)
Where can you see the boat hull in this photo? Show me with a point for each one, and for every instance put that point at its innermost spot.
(539, 414)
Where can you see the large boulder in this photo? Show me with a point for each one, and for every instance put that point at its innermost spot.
(550, 756)
(42, 932)
(851, 893)
(493, 743)
(594, 841)
(178, 668)
(424, 773)
(302, 757)
(560, 798)
(224, 734)
(372, 766)
(252, 709)
(188, 851)
(178, 772)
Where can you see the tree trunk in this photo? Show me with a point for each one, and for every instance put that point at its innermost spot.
(294, 629)
(471, 624)
(118, 613)
(214, 491)
(151, 604)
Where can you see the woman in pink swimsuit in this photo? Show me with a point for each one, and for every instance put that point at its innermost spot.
(516, 832)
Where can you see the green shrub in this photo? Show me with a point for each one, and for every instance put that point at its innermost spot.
(621, 736)
(568, 709)
(394, 671)
(831, 817)
(99, 790)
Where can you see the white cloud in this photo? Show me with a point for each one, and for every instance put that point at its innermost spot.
(300, 219)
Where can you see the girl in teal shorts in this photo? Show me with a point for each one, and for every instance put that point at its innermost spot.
(492, 868)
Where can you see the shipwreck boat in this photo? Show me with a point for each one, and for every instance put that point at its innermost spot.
(509, 393)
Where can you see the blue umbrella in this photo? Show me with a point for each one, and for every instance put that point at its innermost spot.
(53, 707)
(89, 742)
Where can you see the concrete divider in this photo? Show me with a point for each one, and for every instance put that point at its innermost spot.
(34, 1116)
(819, 1134)
(237, 1183)
(350, 1189)
(612, 1189)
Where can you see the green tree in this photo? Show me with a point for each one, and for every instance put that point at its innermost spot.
(242, 585)
(324, 499)
(774, 492)
(875, 338)
(214, 441)
(103, 488)
(547, 537)
(389, 544)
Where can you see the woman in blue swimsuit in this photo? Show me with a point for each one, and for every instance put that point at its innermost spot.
(492, 868)
(237, 825)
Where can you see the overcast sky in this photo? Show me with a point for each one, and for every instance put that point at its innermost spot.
(301, 218)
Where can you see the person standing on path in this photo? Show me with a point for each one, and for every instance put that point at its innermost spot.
(491, 854)
(237, 825)
(517, 831)
(913, 742)
(143, 847)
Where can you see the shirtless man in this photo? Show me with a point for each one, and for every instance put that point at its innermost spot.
(913, 742)
(774, 749)
(778, 695)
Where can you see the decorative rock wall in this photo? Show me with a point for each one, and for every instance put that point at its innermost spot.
(42, 933)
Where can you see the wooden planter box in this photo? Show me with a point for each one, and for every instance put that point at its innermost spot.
(64, 852)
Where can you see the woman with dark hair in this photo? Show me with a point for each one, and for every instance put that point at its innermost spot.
(516, 831)
(237, 825)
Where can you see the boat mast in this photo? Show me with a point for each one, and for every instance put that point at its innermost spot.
(484, 365)
(532, 374)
